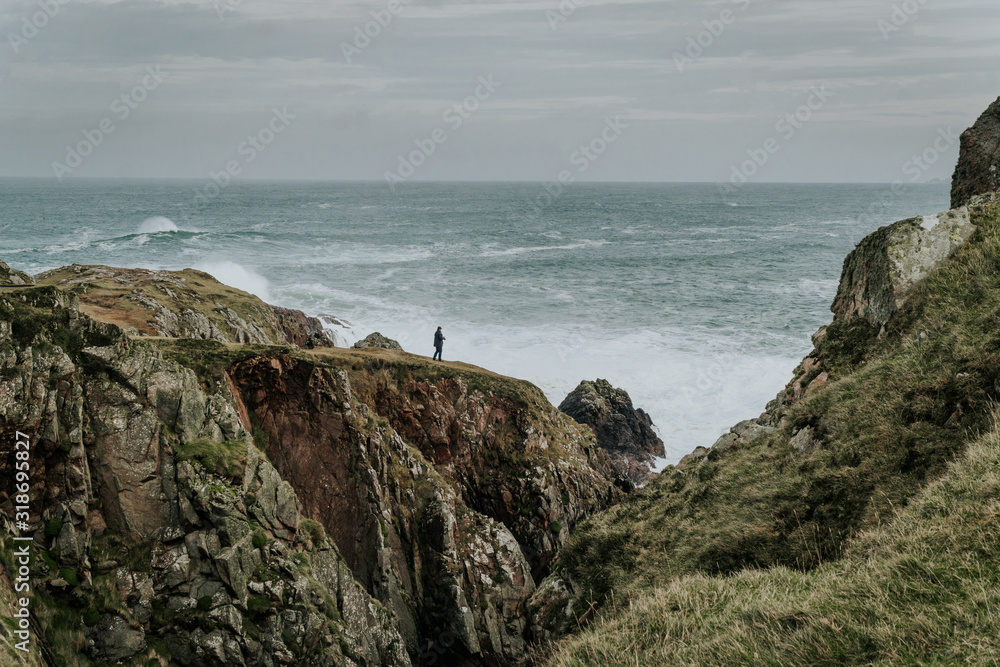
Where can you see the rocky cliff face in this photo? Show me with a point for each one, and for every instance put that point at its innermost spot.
(162, 531)
(183, 304)
(446, 498)
(978, 169)
(624, 432)
(221, 504)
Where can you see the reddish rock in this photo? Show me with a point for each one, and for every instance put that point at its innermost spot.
(978, 169)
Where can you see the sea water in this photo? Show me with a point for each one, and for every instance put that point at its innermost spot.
(699, 301)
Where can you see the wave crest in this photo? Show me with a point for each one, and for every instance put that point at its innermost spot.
(157, 224)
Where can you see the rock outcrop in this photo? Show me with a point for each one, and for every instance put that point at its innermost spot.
(201, 503)
(624, 432)
(183, 304)
(978, 169)
(303, 331)
(879, 274)
(9, 276)
(156, 518)
(377, 340)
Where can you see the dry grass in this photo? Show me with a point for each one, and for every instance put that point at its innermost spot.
(922, 589)
(109, 294)
(897, 411)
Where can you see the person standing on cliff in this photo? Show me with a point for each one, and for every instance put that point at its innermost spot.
(438, 344)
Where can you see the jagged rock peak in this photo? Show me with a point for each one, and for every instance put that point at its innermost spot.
(623, 431)
(978, 169)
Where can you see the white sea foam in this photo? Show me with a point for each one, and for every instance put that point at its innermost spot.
(234, 275)
(586, 243)
(693, 386)
(157, 224)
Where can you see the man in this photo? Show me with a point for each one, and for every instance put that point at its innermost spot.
(438, 344)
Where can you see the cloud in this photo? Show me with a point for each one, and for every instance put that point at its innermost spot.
(228, 69)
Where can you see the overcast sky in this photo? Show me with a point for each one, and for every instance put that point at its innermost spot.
(892, 84)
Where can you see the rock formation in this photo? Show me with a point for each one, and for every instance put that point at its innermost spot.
(978, 169)
(624, 432)
(216, 504)
(883, 269)
(157, 519)
(183, 304)
(9, 276)
(377, 340)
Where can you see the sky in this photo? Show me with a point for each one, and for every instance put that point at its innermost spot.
(601, 90)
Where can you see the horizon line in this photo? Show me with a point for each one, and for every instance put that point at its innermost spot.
(937, 181)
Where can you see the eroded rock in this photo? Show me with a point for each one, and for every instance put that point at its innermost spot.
(624, 432)
(377, 340)
(882, 270)
(978, 169)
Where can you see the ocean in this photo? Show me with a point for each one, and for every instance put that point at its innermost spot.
(698, 302)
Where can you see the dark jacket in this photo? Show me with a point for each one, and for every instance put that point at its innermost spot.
(438, 339)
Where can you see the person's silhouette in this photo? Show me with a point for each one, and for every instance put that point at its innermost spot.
(438, 344)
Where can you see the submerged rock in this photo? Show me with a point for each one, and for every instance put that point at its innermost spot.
(978, 169)
(378, 340)
(624, 432)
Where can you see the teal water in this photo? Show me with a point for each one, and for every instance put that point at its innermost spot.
(699, 304)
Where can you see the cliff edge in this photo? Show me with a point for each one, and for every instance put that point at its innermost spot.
(200, 501)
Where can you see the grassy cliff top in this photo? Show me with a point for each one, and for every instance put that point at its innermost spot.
(167, 303)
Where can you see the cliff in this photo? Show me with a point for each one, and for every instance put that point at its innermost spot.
(978, 169)
(217, 503)
(853, 522)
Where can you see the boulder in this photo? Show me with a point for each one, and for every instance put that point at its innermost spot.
(378, 340)
(9, 276)
(114, 640)
(978, 169)
(624, 432)
(882, 270)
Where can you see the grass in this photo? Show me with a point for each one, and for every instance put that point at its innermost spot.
(752, 555)
(226, 459)
(896, 410)
(38, 319)
(923, 588)
(110, 295)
